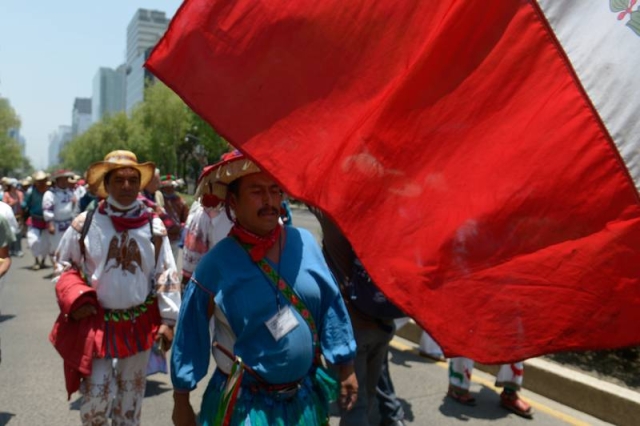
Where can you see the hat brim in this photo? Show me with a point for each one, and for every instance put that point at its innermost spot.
(61, 175)
(39, 176)
(215, 179)
(97, 171)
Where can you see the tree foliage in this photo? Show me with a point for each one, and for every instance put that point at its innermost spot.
(161, 129)
(11, 160)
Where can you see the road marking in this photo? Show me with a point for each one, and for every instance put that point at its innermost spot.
(538, 406)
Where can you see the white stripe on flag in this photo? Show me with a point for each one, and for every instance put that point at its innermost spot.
(605, 53)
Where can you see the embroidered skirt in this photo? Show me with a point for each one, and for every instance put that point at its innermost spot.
(130, 331)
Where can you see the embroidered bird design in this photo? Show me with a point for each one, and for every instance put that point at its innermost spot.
(125, 252)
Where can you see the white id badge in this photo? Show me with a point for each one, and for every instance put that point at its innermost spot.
(282, 323)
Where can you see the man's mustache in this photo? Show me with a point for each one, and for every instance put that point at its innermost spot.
(268, 210)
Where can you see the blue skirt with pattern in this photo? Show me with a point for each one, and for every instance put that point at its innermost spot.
(308, 407)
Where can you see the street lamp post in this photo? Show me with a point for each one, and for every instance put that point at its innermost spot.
(198, 153)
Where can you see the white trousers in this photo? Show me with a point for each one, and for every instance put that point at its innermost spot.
(38, 240)
(115, 390)
(429, 346)
(461, 369)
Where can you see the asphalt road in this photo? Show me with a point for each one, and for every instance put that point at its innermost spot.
(32, 385)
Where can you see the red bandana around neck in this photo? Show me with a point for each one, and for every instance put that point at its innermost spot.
(124, 223)
(259, 245)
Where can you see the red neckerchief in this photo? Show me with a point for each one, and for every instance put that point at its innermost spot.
(123, 223)
(259, 245)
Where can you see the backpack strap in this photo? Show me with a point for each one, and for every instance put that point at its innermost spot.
(84, 231)
(155, 239)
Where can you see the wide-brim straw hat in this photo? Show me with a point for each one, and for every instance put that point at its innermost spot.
(61, 173)
(39, 175)
(114, 160)
(214, 179)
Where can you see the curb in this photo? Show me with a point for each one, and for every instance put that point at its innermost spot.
(606, 401)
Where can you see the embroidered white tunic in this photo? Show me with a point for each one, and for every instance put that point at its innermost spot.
(205, 227)
(121, 266)
(57, 205)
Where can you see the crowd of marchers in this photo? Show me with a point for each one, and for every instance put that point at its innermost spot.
(275, 310)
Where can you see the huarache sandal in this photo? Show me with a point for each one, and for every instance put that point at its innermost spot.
(515, 404)
(461, 396)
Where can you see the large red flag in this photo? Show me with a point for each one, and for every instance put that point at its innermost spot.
(481, 156)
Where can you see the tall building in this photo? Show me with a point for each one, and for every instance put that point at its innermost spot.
(57, 140)
(137, 79)
(80, 116)
(108, 92)
(143, 32)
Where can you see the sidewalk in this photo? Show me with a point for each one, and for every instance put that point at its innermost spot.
(606, 401)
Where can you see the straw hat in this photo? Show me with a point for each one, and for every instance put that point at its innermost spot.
(214, 179)
(11, 182)
(39, 175)
(61, 173)
(114, 160)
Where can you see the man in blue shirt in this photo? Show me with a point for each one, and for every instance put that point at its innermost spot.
(276, 309)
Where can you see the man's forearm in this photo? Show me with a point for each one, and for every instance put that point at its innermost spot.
(181, 396)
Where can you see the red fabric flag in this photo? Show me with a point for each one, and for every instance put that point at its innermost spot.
(454, 144)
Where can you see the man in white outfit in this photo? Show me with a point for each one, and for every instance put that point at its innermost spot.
(38, 237)
(127, 260)
(58, 207)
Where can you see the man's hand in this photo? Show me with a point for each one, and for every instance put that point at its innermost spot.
(348, 387)
(185, 281)
(83, 311)
(183, 414)
(165, 335)
(51, 227)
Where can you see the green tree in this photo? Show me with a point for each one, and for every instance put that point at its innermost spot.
(161, 129)
(202, 145)
(214, 144)
(10, 157)
(163, 120)
(113, 132)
